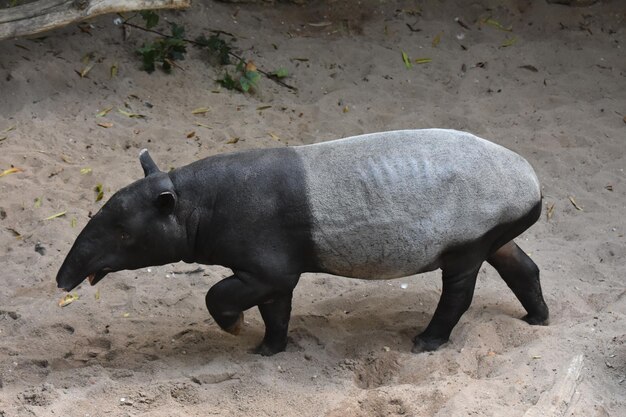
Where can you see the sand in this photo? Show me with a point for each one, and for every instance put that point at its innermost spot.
(141, 343)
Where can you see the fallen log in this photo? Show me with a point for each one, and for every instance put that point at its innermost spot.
(43, 15)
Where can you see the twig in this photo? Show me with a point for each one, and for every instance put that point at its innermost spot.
(191, 41)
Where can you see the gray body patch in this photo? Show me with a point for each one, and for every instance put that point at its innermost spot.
(389, 204)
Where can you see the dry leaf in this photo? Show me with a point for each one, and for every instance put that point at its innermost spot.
(263, 108)
(191, 134)
(346, 109)
(99, 192)
(491, 353)
(550, 211)
(232, 140)
(73, 222)
(531, 68)
(423, 60)
(10, 171)
(609, 187)
(437, 39)
(275, 137)
(68, 299)
(497, 25)
(97, 294)
(84, 171)
(37, 202)
(200, 110)
(131, 115)
(126, 315)
(574, 203)
(114, 70)
(509, 42)
(54, 216)
(203, 125)
(537, 357)
(83, 73)
(406, 60)
(104, 112)
(15, 232)
(8, 129)
(320, 24)
(66, 159)
(250, 67)
(105, 125)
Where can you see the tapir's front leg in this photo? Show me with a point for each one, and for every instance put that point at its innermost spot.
(229, 298)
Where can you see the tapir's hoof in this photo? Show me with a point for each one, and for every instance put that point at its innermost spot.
(537, 320)
(235, 329)
(266, 349)
(426, 345)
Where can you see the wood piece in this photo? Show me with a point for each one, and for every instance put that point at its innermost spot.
(43, 15)
(556, 401)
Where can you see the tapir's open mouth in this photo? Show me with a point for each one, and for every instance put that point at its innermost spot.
(97, 276)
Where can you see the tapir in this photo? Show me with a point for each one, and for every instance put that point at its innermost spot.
(376, 206)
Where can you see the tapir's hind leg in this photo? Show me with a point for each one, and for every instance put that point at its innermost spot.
(521, 274)
(456, 297)
(276, 314)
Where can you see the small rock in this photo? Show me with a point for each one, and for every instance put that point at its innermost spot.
(40, 249)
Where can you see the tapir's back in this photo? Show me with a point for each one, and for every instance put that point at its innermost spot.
(389, 204)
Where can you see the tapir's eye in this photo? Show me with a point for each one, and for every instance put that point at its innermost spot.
(124, 235)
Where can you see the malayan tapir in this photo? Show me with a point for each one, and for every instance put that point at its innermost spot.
(377, 206)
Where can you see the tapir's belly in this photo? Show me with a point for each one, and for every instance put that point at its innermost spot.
(389, 204)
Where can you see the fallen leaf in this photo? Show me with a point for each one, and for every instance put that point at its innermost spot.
(66, 159)
(509, 42)
(15, 232)
(346, 109)
(200, 110)
(105, 125)
(263, 108)
(232, 140)
(273, 136)
(68, 299)
(104, 112)
(320, 24)
(531, 68)
(497, 25)
(126, 315)
(83, 73)
(300, 59)
(203, 125)
(131, 115)
(191, 134)
(537, 357)
(73, 222)
(54, 216)
(250, 67)
(491, 353)
(574, 203)
(37, 202)
(423, 60)
(550, 211)
(608, 187)
(437, 39)
(8, 129)
(10, 171)
(97, 294)
(114, 70)
(84, 171)
(3, 137)
(406, 60)
(99, 192)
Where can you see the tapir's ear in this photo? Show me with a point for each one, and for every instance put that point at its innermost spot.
(148, 165)
(166, 202)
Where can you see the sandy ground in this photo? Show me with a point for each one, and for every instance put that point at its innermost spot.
(147, 346)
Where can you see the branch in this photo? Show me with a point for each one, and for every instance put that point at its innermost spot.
(43, 15)
(234, 55)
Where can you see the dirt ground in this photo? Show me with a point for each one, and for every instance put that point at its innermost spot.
(141, 343)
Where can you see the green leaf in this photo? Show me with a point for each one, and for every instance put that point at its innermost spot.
(281, 73)
(227, 82)
(150, 17)
(509, 42)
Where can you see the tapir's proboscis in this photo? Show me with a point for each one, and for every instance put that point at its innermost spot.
(377, 206)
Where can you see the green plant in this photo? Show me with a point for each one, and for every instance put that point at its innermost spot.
(216, 46)
(246, 78)
(164, 51)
